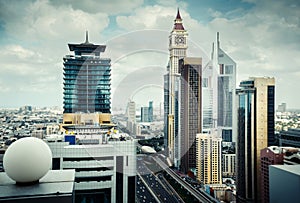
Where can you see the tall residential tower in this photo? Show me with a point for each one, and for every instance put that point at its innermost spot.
(209, 158)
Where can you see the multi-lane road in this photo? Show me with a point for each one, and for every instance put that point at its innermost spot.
(201, 196)
(159, 190)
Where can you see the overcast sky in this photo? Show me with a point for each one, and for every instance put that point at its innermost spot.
(262, 36)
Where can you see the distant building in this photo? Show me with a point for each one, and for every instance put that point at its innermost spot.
(150, 111)
(209, 165)
(86, 79)
(190, 110)
(281, 107)
(144, 114)
(147, 113)
(255, 132)
(131, 112)
(290, 138)
(25, 109)
(131, 117)
(284, 183)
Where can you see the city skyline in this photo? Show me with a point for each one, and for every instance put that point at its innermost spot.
(261, 37)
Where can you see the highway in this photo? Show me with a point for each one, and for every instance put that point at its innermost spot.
(158, 190)
(143, 192)
(200, 196)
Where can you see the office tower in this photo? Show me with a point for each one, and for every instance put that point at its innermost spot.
(228, 164)
(86, 79)
(226, 69)
(144, 114)
(269, 156)
(209, 170)
(177, 50)
(150, 113)
(289, 138)
(284, 183)
(190, 110)
(255, 132)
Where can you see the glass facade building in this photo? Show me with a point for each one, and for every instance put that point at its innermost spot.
(86, 79)
(255, 132)
(190, 110)
(226, 86)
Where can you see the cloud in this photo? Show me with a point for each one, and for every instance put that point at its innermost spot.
(263, 39)
(111, 7)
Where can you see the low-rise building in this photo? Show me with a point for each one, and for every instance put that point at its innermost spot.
(104, 161)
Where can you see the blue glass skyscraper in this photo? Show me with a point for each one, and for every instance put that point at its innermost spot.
(86, 79)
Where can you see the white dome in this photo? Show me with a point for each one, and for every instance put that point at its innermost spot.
(147, 149)
(27, 160)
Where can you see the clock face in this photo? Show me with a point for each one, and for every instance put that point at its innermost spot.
(179, 39)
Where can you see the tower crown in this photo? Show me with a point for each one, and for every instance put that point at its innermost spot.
(178, 22)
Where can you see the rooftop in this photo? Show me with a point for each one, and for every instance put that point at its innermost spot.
(295, 169)
(55, 183)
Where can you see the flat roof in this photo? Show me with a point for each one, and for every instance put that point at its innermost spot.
(295, 169)
(55, 182)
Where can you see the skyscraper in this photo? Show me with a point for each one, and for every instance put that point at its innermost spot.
(86, 79)
(208, 97)
(190, 110)
(209, 169)
(226, 69)
(255, 132)
(177, 50)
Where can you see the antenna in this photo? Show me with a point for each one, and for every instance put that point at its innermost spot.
(212, 51)
(86, 37)
(218, 40)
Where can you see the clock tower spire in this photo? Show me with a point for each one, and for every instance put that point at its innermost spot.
(177, 43)
(178, 22)
(177, 50)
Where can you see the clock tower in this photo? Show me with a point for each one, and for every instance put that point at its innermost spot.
(177, 44)
(177, 49)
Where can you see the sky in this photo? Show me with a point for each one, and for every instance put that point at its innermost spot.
(262, 36)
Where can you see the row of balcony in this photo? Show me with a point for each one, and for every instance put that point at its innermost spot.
(87, 87)
(92, 92)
